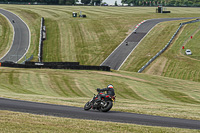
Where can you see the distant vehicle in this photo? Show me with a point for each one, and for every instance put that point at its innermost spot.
(125, 4)
(188, 52)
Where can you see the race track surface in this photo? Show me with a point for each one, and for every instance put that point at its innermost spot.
(21, 38)
(112, 116)
(116, 59)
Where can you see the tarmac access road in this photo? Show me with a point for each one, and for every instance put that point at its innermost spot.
(21, 40)
(116, 59)
(80, 113)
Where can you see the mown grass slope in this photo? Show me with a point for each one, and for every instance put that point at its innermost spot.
(22, 122)
(139, 93)
(174, 62)
(89, 40)
(6, 35)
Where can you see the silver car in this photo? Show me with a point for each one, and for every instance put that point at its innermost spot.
(188, 52)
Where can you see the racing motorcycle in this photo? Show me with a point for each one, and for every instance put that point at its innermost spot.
(104, 104)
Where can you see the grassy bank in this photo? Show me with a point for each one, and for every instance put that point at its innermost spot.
(86, 40)
(22, 122)
(135, 92)
(90, 40)
(174, 63)
(6, 35)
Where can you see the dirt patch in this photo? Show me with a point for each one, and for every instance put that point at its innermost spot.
(157, 67)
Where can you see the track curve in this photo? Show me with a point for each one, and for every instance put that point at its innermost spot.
(21, 40)
(116, 59)
(112, 116)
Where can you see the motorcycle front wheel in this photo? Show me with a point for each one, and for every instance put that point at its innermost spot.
(87, 106)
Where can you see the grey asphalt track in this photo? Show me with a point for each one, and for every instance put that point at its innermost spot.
(116, 59)
(80, 113)
(21, 38)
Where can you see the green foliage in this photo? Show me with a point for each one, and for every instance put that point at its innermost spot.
(164, 3)
(85, 1)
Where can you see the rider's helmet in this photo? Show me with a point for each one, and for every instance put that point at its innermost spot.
(110, 86)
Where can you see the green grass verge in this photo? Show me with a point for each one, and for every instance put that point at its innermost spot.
(6, 35)
(23, 122)
(174, 63)
(138, 93)
(182, 66)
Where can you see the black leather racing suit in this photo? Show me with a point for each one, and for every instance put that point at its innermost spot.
(110, 91)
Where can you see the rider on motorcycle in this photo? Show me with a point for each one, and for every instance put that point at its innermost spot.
(109, 89)
(102, 102)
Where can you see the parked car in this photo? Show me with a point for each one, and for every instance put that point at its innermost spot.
(188, 52)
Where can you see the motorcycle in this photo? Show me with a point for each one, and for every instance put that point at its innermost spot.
(104, 104)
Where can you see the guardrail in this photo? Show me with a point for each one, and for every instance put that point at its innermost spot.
(55, 65)
(41, 40)
(166, 46)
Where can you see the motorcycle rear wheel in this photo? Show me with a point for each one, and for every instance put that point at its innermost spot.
(107, 107)
(87, 106)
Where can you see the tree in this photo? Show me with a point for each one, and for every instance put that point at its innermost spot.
(85, 1)
(98, 2)
(70, 2)
(116, 3)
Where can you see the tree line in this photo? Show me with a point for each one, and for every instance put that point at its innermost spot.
(53, 2)
(98, 2)
(162, 2)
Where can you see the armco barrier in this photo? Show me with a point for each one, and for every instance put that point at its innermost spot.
(53, 63)
(166, 46)
(60, 66)
(41, 41)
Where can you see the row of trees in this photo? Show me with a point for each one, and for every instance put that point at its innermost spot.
(162, 2)
(54, 2)
(129, 2)
(86, 2)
